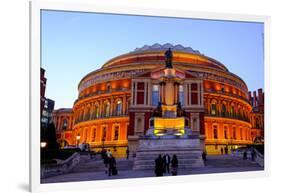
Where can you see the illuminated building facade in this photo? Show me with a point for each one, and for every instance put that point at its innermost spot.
(115, 103)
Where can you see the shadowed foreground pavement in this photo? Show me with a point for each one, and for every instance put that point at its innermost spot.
(215, 164)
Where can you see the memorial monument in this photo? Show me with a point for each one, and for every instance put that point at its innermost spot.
(169, 131)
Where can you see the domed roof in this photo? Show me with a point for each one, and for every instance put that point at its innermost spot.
(158, 47)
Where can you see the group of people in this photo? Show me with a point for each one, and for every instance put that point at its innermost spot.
(109, 162)
(162, 165)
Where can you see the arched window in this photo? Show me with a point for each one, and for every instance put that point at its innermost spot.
(97, 110)
(87, 115)
(108, 87)
(119, 108)
(106, 109)
(232, 110)
(64, 125)
(213, 108)
(223, 110)
(81, 116)
(215, 132)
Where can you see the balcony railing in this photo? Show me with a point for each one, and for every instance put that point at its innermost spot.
(100, 117)
(227, 115)
(227, 94)
(100, 92)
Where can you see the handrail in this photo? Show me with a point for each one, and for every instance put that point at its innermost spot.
(65, 166)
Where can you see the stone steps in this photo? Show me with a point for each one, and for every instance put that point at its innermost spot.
(97, 166)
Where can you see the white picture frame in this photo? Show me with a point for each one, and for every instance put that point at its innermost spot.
(37, 6)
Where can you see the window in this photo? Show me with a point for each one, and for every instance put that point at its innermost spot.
(234, 133)
(181, 95)
(119, 108)
(241, 133)
(215, 132)
(194, 94)
(97, 111)
(225, 132)
(223, 110)
(140, 93)
(116, 132)
(87, 117)
(106, 109)
(213, 109)
(108, 87)
(94, 134)
(232, 111)
(103, 133)
(64, 125)
(155, 95)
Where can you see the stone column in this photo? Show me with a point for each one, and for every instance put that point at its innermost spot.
(198, 93)
(189, 94)
(202, 93)
(111, 107)
(124, 105)
(145, 93)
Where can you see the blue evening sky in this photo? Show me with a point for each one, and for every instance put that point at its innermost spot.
(74, 44)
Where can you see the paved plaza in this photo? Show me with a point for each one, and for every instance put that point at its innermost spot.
(93, 169)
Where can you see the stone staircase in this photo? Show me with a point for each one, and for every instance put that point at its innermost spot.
(97, 165)
(186, 158)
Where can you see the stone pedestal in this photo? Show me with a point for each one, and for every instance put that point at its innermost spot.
(188, 151)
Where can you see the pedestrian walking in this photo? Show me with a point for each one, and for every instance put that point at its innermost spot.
(253, 154)
(166, 162)
(112, 169)
(158, 166)
(204, 156)
(127, 152)
(226, 150)
(108, 153)
(245, 155)
(221, 151)
(174, 165)
(105, 161)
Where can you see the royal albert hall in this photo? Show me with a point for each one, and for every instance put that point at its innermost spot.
(115, 103)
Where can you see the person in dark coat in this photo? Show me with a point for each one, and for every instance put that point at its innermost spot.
(105, 161)
(159, 166)
(204, 156)
(174, 165)
(127, 152)
(245, 154)
(166, 162)
(253, 154)
(226, 150)
(222, 151)
(112, 170)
